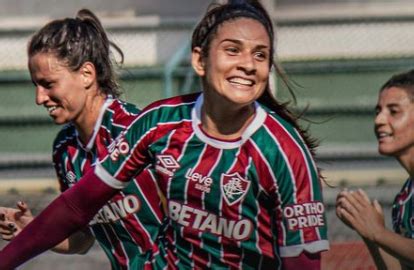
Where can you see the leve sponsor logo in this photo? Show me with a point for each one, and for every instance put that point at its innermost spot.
(114, 211)
(207, 222)
(202, 183)
(305, 215)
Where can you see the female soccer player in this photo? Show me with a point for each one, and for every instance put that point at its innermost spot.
(71, 68)
(394, 128)
(237, 172)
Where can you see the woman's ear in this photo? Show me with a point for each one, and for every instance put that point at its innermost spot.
(88, 74)
(197, 61)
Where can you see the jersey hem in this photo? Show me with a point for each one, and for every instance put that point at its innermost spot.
(313, 247)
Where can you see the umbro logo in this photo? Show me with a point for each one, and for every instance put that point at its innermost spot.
(167, 164)
(71, 178)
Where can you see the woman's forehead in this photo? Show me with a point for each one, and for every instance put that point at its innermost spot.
(243, 28)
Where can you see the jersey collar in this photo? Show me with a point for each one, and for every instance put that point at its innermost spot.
(98, 123)
(257, 122)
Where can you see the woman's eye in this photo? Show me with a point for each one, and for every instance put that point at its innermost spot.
(260, 55)
(232, 50)
(394, 112)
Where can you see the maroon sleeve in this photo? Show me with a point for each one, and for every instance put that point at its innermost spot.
(68, 213)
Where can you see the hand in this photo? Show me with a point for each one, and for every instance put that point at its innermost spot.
(13, 220)
(357, 211)
(338, 209)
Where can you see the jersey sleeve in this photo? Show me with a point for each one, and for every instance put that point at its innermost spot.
(127, 154)
(300, 218)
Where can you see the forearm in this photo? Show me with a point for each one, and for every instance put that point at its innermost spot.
(68, 213)
(78, 243)
(382, 259)
(396, 245)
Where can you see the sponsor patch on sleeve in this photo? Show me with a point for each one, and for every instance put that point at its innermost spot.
(305, 215)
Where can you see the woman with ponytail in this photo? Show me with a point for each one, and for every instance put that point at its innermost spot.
(241, 187)
(71, 67)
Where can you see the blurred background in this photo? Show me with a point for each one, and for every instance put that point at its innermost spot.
(337, 54)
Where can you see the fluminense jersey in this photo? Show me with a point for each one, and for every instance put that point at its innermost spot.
(128, 225)
(239, 204)
(402, 211)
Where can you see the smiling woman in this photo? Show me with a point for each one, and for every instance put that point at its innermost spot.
(241, 188)
(394, 128)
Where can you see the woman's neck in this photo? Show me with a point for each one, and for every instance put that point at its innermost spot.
(226, 122)
(86, 121)
(407, 161)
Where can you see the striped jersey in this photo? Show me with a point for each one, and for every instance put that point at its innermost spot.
(402, 211)
(240, 204)
(127, 226)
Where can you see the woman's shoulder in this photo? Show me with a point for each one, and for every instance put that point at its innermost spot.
(65, 134)
(176, 101)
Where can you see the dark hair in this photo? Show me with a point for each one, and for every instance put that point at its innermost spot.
(404, 81)
(206, 30)
(76, 41)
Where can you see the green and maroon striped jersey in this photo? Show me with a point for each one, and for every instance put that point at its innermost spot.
(128, 225)
(240, 204)
(402, 211)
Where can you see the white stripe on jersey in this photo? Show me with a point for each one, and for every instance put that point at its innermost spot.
(292, 175)
(302, 152)
(109, 179)
(156, 108)
(154, 179)
(269, 168)
(112, 244)
(127, 231)
(132, 150)
(98, 123)
(313, 247)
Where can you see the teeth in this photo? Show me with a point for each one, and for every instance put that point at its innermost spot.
(51, 109)
(383, 134)
(241, 81)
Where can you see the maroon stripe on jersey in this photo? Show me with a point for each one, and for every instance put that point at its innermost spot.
(172, 101)
(146, 183)
(136, 230)
(269, 185)
(174, 147)
(60, 148)
(138, 156)
(298, 163)
(71, 152)
(118, 251)
(103, 139)
(172, 259)
(87, 163)
(206, 163)
(231, 254)
(122, 117)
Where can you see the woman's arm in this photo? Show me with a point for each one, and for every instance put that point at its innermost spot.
(382, 259)
(366, 218)
(68, 213)
(14, 220)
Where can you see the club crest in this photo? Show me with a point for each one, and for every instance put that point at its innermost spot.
(233, 187)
